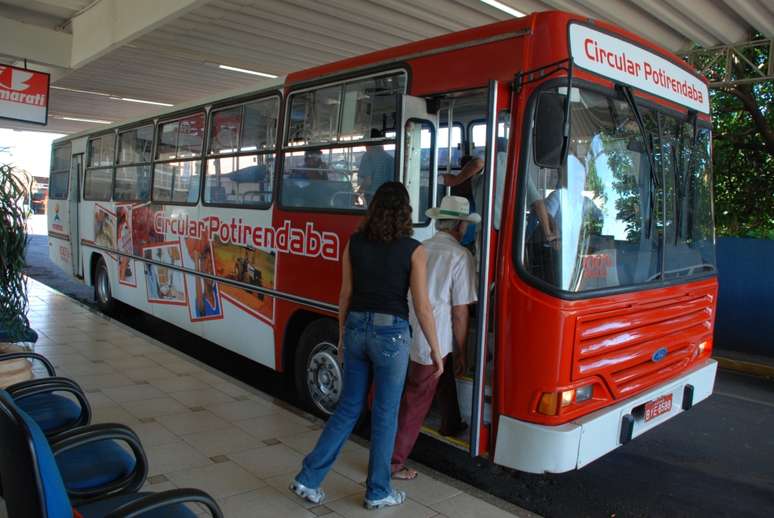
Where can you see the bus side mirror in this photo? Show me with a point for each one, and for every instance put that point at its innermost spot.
(549, 125)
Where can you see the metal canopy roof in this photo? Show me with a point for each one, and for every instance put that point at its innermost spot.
(99, 52)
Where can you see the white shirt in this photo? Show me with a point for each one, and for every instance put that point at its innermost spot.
(499, 187)
(566, 205)
(451, 281)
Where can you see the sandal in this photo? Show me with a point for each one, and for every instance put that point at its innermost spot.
(405, 474)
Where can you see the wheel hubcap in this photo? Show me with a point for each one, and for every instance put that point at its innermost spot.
(103, 287)
(323, 377)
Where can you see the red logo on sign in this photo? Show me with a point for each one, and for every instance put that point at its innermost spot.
(23, 86)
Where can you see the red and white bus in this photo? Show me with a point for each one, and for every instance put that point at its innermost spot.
(596, 259)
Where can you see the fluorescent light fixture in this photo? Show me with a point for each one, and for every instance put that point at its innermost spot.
(142, 101)
(504, 8)
(78, 119)
(246, 71)
(79, 91)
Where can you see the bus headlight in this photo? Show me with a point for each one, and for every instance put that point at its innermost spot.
(554, 403)
(551, 402)
(584, 393)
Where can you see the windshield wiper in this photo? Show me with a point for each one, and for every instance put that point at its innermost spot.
(679, 175)
(682, 177)
(655, 181)
(632, 102)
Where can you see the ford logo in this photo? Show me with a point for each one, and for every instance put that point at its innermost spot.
(660, 354)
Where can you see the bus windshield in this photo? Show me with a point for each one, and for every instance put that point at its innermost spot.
(604, 219)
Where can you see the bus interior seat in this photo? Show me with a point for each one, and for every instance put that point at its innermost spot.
(217, 194)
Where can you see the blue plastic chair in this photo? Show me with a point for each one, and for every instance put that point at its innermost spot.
(93, 464)
(90, 458)
(42, 398)
(34, 487)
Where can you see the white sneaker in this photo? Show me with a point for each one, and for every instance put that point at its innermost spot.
(315, 496)
(394, 498)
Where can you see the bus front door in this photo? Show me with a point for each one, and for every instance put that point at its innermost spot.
(492, 187)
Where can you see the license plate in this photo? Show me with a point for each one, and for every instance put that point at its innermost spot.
(658, 406)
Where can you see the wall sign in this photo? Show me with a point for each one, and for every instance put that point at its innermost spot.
(23, 95)
(627, 63)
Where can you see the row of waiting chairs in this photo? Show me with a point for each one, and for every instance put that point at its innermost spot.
(54, 464)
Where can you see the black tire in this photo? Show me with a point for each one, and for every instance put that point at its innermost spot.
(316, 372)
(102, 293)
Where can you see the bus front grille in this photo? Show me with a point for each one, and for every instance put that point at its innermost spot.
(635, 347)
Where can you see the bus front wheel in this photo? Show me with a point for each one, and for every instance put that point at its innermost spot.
(102, 293)
(318, 375)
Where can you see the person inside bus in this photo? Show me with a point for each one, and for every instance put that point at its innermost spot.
(305, 186)
(473, 169)
(451, 282)
(465, 190)
(563, 215)
(377, 166)
(539, 216)
(380, 264)
(314, 167)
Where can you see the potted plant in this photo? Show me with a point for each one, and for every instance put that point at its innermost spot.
(14, 325)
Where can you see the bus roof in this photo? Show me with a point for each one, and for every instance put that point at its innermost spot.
(268, 86)
(527, 24)
(531, 25)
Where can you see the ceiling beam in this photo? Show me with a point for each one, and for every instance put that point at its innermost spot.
(72, 5)
(108, 24)
(689, 26)
(35, 44)
(723, 24)
(759, 15)
(633, 19)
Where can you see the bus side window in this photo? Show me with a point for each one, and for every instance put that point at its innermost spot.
(240, 152)
(97, 184)
(98, 179)
(177, 167)
(133, 171)
(340, 143)
(60, 173)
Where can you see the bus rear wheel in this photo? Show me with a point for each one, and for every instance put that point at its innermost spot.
(102, 293)
(318, 375)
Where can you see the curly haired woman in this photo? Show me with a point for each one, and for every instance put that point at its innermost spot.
(380, 263)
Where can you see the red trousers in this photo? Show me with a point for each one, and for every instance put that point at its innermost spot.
(417, 398)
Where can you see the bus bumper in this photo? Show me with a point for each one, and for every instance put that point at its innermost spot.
(555, 449)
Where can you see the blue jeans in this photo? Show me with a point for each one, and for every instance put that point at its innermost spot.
(381, 342)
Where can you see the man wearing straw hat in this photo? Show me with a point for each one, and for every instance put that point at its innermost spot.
(451, 282)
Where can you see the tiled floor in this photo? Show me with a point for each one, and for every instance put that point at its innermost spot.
(202, 429)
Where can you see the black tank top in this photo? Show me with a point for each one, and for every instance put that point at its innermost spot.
(380, 274)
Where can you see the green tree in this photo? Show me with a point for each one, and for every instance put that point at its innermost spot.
(743, 151)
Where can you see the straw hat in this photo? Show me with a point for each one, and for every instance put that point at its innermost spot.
(454, 207)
